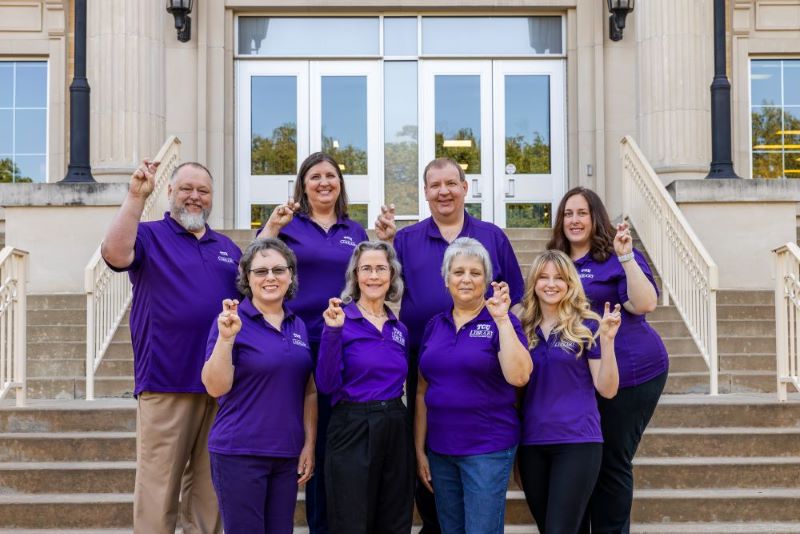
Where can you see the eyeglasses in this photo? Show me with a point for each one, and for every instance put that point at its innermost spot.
(263, 272)
(369, 269)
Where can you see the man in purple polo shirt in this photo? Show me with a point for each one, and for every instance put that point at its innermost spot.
(420, 249)
(181, 270)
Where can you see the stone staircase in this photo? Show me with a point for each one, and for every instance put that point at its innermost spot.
(729, 464)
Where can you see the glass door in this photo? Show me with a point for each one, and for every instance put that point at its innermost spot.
(456, 120)
(529, 141)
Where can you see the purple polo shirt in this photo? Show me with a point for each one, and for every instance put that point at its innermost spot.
(471, 408)
(641, 355)
(179, 283)
(322, 259)
(420, 249)
(560, 404)
(262, 414)
(357, 363)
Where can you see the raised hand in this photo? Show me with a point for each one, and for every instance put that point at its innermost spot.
(283, 214)
(143, 179)
(500, 301)
(385, 227)
(623, 242)
(609, 324)
(228, 321)
(334, 315)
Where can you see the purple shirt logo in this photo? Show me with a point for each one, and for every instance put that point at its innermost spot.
(585, 273)
(482, 330)
(347, 240)
(297, 339)
(564, 344)
(398, 337)
(223, 256)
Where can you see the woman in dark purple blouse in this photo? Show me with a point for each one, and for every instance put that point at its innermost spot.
(612, 271)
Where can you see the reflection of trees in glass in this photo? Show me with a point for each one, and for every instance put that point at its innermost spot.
(528, 216)
(358, 213)
(470, 155)
(259, 214)
(401, 163)
(528, 158)
(277, 154)
(9, 172)
(767, 122)
(354, 159)
(474, 209)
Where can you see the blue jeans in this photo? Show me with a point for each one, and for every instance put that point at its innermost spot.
(470, 491)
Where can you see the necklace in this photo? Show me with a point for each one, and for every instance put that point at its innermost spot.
(324, 226)
(367, 312)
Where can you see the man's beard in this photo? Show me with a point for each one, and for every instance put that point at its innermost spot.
(191, 221)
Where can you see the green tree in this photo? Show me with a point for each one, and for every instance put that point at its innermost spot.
(277, 154)
(10, 173)
(401, 163)
(469, 156)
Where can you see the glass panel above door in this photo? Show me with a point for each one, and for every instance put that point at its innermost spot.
(491, 36)
(400, 36)
(344, 121)
(458, 120)
(309, 36)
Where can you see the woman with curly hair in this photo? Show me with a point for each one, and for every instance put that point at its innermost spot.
(562, 445)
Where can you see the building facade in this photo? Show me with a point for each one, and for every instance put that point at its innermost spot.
(530, 97)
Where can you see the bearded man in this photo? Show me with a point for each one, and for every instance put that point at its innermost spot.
(181, 270)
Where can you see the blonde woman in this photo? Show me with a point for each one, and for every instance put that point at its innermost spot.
(562, 444)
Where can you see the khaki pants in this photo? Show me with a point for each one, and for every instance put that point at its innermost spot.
(172, 464)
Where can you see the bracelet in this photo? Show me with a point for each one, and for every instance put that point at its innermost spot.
(625, 257)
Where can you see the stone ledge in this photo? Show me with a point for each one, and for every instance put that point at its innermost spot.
(741, 190)
(60, 194)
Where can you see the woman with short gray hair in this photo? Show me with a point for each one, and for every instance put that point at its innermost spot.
(363, 364)
(466, 427)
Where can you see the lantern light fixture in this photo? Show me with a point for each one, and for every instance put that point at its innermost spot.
(618, 10)
(180, 9)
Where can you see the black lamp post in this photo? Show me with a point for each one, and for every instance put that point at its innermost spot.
(79, 169)
(619, 9)
(721, 159)
(180, 9)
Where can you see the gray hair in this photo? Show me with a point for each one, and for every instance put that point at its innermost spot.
(263, 245)
(466, 246)
(353, 292)
(194, 164)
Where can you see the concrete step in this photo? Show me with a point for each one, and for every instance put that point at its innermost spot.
(725, 312)
(728, 382)
(529, 244)
(748, 504)
(67, 477)
(63, 511)
(75, 301)
(75, 387)
(720, 441)
(735, 410)
(105, 415)
(50, 317)
(727, 344)
(677, 328)
(727, 362)
(717, 527)
(56, 333)
(73, 350)
(716, 472)
(528, 233)
(77, 367)
(745, 297)
(67, 446)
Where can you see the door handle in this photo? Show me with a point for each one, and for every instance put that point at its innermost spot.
(476, 190)
(290, 191)
(510, 189)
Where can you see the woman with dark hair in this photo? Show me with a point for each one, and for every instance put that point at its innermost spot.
(363, 363)
(259, 367)
(611, 270)
(316, 226)
(573, 356)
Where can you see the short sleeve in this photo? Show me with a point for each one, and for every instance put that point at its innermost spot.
(593, 352)
(140, 247)
(622, 282)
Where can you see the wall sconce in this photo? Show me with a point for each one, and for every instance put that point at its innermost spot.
(619, 9)
(180, 9)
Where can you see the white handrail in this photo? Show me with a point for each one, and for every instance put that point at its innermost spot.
(688, 273)
(13, 325)
(109, 293)
(787, 331)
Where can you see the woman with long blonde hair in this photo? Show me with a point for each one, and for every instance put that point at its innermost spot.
(572, 349)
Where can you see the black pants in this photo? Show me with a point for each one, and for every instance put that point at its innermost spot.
(426, 504)
(623, 420)
(369, 471)
(558, 481)
(316, 510)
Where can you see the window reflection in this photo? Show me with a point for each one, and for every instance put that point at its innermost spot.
(309, 36)
(775, 118)
(400, 36)
(273, 125)
(528, 215)
(458, 120)
(488, 36)
(527, 119)
(23, 116)
(401, 147)
(344, 121)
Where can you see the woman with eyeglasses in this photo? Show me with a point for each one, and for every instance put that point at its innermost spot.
(316, 226)
(363, 363)
(259, 367)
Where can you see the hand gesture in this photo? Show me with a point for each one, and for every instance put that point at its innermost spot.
(305, 465)
(334, 315)
(500, 301)
(424, 471)
(228, 321)
(623, 242)
(385, 227)
(143, 179)
(609, 324)
(283, 214)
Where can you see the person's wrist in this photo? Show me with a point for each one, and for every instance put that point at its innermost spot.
(624, 258)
